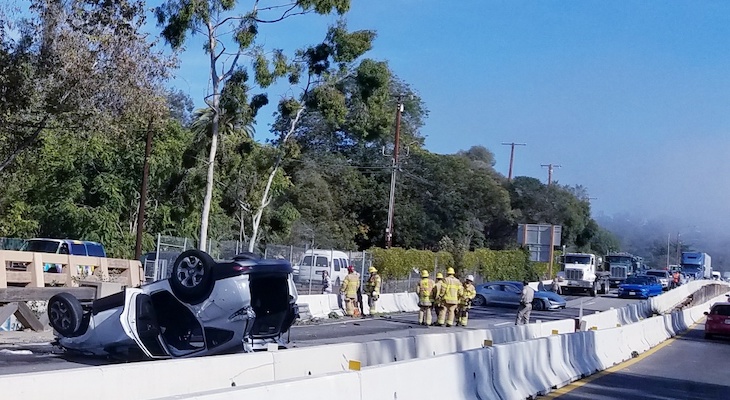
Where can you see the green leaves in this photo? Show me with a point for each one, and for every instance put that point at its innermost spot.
(349, 46)
(325, 6)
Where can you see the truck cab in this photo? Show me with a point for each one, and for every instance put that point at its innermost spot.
(578, 273)
(621, 266)
(696, 265)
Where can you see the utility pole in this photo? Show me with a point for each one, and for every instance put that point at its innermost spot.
(391, 203)
(550, 171)
(143, 192)
(512, 156)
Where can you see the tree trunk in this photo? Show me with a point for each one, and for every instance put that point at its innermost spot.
(266, 197)
(210, 179)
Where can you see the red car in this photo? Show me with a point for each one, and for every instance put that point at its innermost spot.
(718, 320)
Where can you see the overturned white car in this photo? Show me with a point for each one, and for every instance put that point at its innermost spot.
(204, 308)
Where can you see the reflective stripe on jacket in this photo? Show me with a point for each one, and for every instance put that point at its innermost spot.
(350, 285)
(372, 286)
(468, 294)
(452, 290)
(425, 291)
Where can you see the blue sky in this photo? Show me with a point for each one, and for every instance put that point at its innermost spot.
(629, 97)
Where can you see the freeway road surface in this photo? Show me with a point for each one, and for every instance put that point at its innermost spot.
(686, 367)
(41, 356)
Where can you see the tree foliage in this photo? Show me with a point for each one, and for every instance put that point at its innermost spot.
(80, 85)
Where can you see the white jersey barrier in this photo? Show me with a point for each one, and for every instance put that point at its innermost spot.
(322, 305)
(639, 311)
(261, 367)
(268, 367)
(516, 370)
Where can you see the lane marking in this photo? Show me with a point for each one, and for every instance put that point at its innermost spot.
(592, 302)
(502, 323)
(580, 383)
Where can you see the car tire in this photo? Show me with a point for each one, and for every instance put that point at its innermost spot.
(479, 301)
(65, 314)
(192, 276)
(538, 305)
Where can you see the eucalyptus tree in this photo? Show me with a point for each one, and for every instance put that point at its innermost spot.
(228, 23)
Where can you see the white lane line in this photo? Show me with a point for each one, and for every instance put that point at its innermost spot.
(502, 323)
(591, 302)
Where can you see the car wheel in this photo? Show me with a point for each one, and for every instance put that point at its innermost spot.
(65, 314)
(192, 276)
(538, 305)
(479, 301)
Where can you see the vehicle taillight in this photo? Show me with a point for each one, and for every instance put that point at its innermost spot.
(242, 268)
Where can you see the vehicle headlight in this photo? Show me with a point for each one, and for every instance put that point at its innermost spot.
(243, 314)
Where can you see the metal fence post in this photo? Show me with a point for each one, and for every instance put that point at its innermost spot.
(157, 260)
(291, 254)
(311, 268)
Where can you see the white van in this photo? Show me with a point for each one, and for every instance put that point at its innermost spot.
(314, 262)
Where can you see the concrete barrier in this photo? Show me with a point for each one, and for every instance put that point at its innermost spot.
(343, 385)
(141, 380)
(562, 358)
(410, 380)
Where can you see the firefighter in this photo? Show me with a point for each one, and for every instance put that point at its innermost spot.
(438, 302)
(468, 294)
(425, 293)
(349, 289)
(450, 293)
(372, 289)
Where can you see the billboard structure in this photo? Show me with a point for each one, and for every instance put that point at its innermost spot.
(540, 240)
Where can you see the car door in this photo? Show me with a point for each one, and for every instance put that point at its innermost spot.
(139, 321)
(513, 294)
(492, 293)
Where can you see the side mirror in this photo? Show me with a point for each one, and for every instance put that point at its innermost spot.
(707, 313)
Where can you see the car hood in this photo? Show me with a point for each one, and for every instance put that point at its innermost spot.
(552, 296)
(633, 286)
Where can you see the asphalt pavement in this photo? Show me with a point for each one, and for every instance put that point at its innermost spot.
(685, 367)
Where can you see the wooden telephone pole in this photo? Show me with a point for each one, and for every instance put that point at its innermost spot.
(550, 168)
(512, 156)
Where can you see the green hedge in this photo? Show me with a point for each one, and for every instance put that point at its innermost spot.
(490, 264)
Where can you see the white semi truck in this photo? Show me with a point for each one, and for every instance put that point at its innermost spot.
(579, 273)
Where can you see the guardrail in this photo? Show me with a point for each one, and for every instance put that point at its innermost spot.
(25, 269)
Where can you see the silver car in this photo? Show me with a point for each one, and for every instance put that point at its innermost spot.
(509, 293)
(204, 307)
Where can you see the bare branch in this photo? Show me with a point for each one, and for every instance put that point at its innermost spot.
(284, 16)
(233, 66)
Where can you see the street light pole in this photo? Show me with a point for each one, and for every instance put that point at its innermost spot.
(512, 156)
(391, 202)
